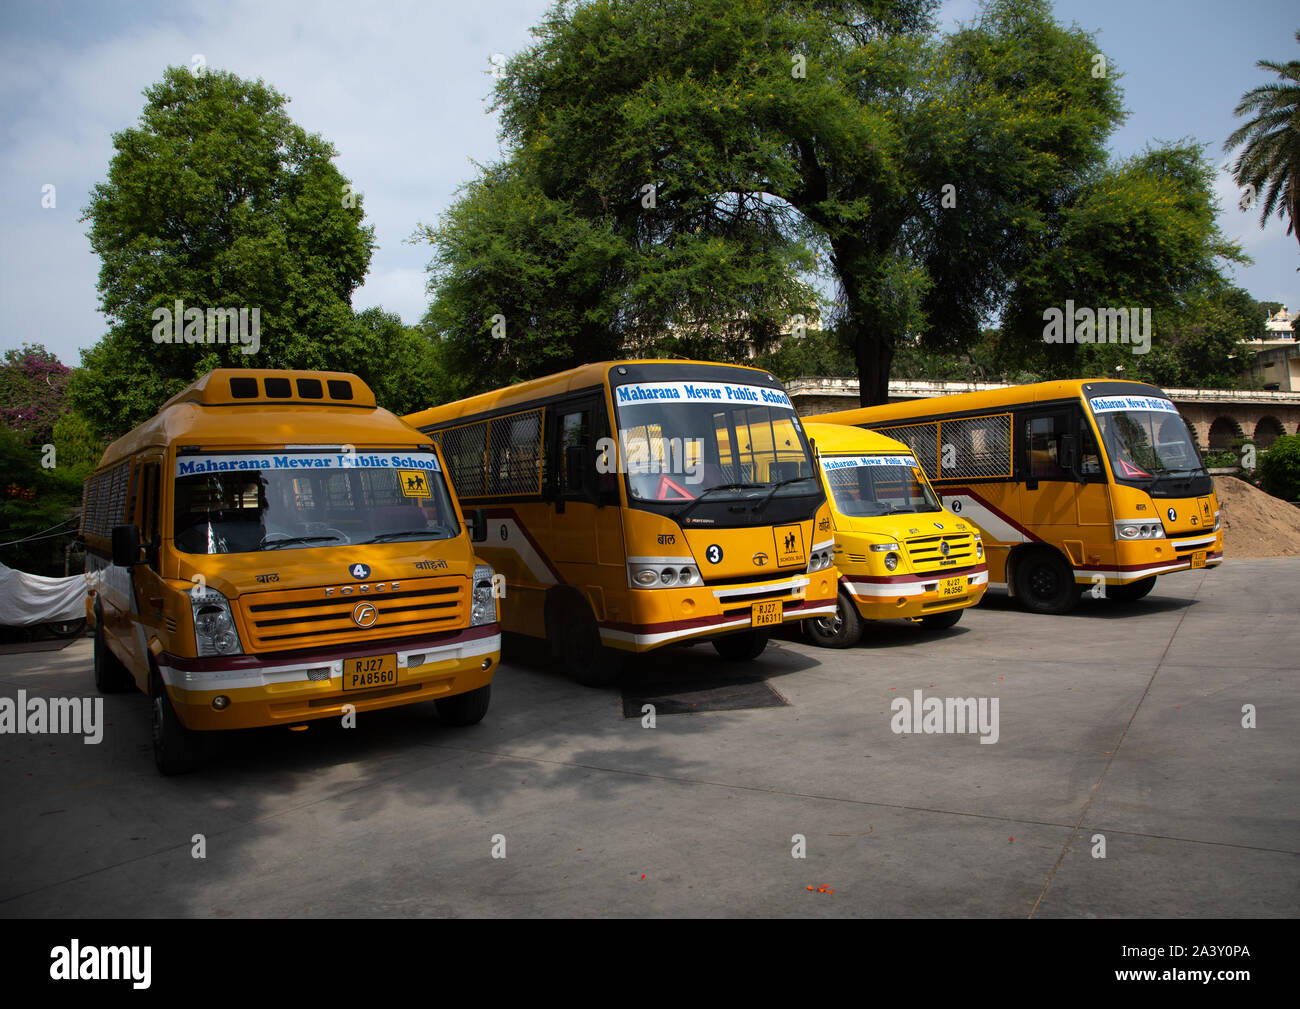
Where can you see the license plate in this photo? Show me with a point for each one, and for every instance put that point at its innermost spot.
(765, 614)
(952, 587)
(372, 671)
(1198, 559)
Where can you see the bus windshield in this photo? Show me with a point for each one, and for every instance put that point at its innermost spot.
(682, 451)
(1145, 438)
(245, 503)
(871, 485)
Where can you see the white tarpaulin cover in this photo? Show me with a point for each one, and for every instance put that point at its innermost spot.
(35, 599)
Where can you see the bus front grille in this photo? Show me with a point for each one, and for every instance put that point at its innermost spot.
(927, 552)
(307, 617)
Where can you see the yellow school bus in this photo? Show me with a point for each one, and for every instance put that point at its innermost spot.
(635, 504)
(273, 548)
(900, 554)
(1075, 485)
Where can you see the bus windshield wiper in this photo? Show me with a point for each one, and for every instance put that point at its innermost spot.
(439, 533)
(295, 539)
(780, 483)
(685, 510)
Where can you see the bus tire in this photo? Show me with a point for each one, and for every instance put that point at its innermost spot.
(842, 630)
(941, 621)
(465, 709)
(742, 647)
(111, 676)
(1045, 582)
(1131, 592)
(582, 653)
(175, 748)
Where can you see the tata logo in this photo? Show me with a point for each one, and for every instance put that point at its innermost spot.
(938, 525)
(365, 615)
(760, 558)
(943, 548)
(359, 571)
(1173, 515)
(1195, 521)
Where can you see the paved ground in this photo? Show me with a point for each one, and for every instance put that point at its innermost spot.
(1126, 724)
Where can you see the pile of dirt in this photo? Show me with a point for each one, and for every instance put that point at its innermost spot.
(1256, 524)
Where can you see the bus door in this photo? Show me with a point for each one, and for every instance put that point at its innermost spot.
(147, 585)
(584, 528)
(1062, 484)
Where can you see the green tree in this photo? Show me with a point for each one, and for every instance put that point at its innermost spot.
(1269, 160)
(937, 181)
(814, 353)
(220, 201)
(403, 365)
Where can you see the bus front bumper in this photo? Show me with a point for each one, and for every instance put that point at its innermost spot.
(911, 596)
(670, 616)
(289, 687)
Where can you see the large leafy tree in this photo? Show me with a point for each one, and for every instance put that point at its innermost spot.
(1269, 160)
(219, 200)
(933, 178)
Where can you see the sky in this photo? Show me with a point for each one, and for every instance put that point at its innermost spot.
(401, 89)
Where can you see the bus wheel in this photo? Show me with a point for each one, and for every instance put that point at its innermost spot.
(175, 748)
(465, 709)
(742, 647)
(1045, 583)
(841, 630)
(941, 621)
(1131, 592)
(111, 677)
(589, 661)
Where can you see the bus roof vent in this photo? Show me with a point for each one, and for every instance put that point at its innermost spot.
(247, 386)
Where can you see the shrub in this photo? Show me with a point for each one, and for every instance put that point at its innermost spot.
(1279, 468)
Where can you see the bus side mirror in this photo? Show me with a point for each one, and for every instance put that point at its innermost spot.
(575, 470)
(1068, 454)
(126, 546)
(477, 525)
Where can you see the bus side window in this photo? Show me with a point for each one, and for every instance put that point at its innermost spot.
(1089, 454)
(1043, 443)
(575, 433)
(149, 526)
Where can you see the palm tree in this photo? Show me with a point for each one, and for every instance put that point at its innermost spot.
(1271, 157)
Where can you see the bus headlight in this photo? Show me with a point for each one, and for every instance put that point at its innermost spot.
(891, 561)
(979, 549)
(820, 559)
(1139, 531)
(644, 575)
(483, 607)
(882, 547)
(214, 625)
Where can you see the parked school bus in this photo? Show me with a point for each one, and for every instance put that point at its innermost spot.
(900, 554)
(271, 547)
(634, 504)
(1075, 485)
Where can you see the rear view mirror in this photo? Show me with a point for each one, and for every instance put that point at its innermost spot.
(1068, 453)
(574, 471)
(126, 546)
(477, 525)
